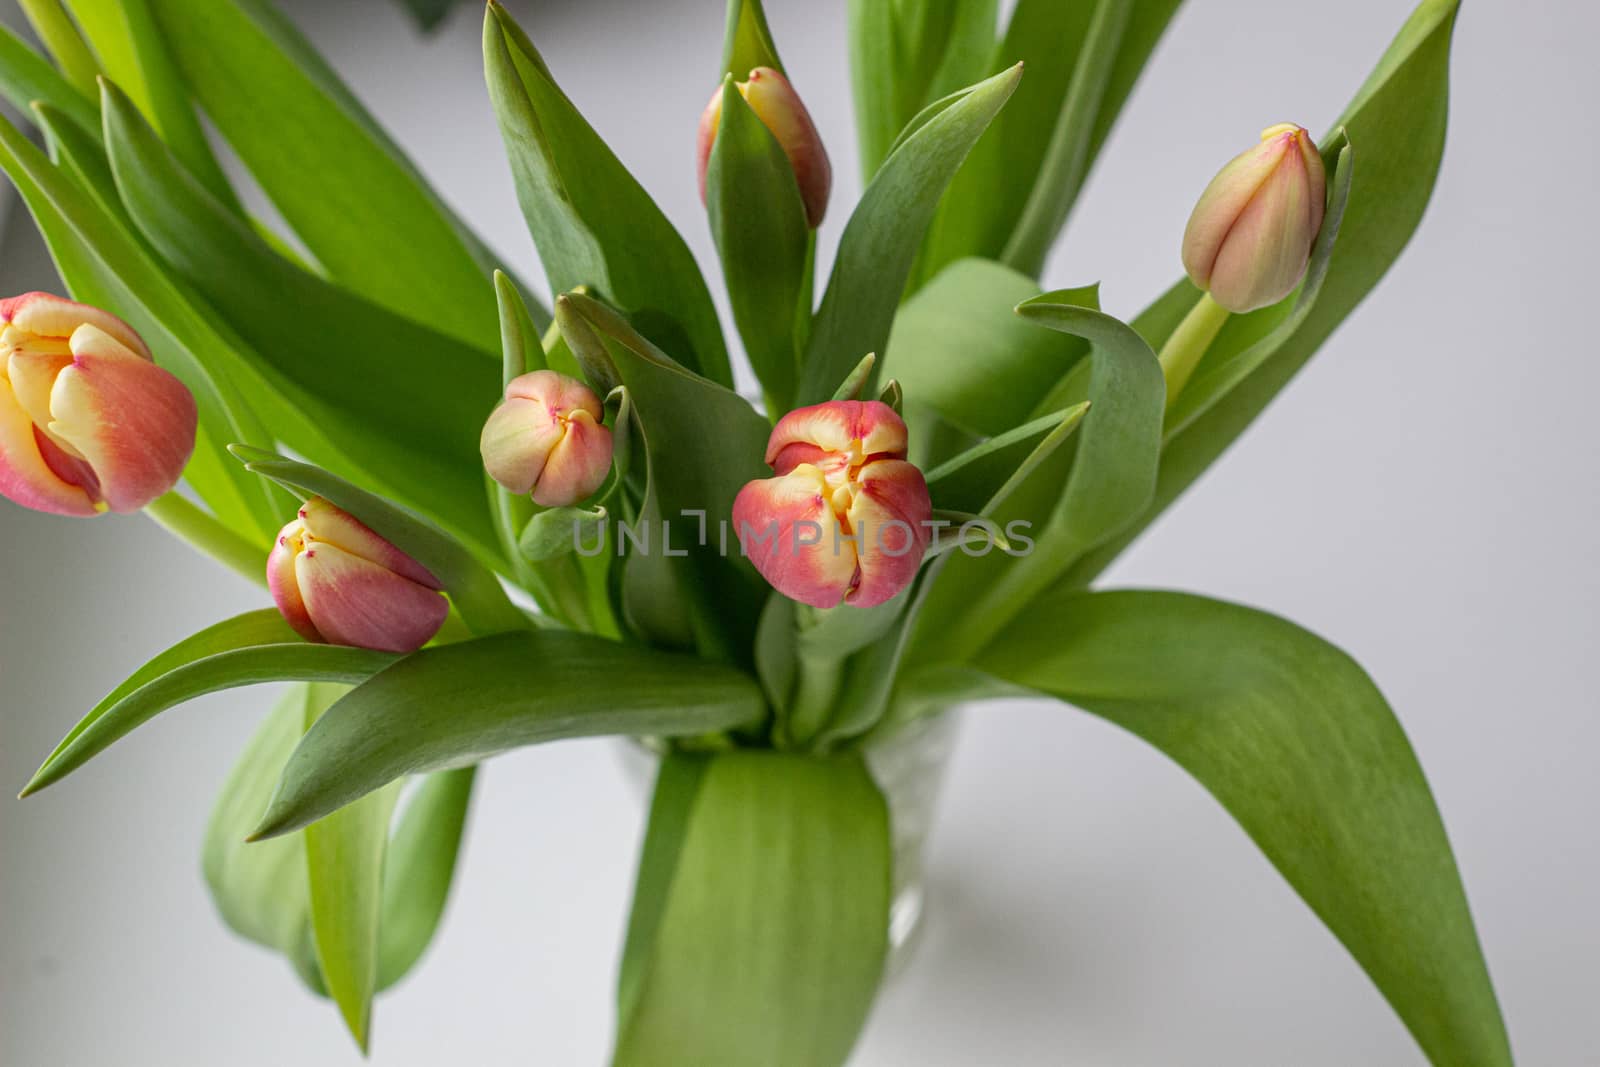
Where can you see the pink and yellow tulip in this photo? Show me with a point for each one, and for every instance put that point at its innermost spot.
(546, 439)
(845, 518)
(337, 582)
(1249, 238)
(88, 422)
(781, 111)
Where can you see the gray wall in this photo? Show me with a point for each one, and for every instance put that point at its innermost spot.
(1425, 495)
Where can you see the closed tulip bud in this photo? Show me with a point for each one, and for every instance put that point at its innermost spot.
(88, 422)
(338, 583)
(844, 520)
(546, 439)
(1249, 239)
(780, 110)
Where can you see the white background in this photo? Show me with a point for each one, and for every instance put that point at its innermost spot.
(1424, 495)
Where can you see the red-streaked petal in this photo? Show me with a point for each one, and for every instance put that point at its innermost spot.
(517, 441)
(1224, 200)
(1265, 253)
(25, 476)
(577, 466)
(887, 518)
(780, 109)
(353, 601)
(33, 368)
(283, 585)
(48, 315)
(561, 394)
(710, 123)
(131, 421)
(327, 523)
(863, 427)
(788, 531)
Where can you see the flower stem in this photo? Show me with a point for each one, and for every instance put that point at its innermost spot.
(1182, 352)
(184, 520)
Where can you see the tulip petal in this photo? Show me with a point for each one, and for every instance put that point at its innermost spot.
(710, 123)
(25, 476)
(578, 464)
(355, 602)
(887, 519)
(327, 523)
(48, 315)
(1266, 251)
(780, 109)
(517, 441)
(1223, 201)
(860, 427)
(787, 529)
(131, 421)
(283, 585)
(561, 394)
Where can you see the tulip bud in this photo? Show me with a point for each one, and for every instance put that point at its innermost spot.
(336, 582)
(845, 518)
(546, 439)
(1249, 239)
(781, 111)
(88, 422)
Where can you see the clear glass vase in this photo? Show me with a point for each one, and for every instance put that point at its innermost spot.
(909, 765)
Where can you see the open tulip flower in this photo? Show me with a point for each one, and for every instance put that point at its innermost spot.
(538, 516)
(88, 422)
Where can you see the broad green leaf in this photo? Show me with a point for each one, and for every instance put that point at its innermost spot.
(26, 76)
(693, 478)
(260, 889)
(345, 878)
(747, 41)
(1008, 172)
(247, 649)
(130, 47)
(880, 241)
(342, 186)
(593, 224)
(418, 869)
(369, 373)
(959, 348)
(1397, 126)
(105, 265)
(460, 704)
(906, 54)
(1293, 738)
(62, 40)
(761, 916)
(759, 224)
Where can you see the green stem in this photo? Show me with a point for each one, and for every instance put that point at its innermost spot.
(1181, 354)
(183, 519)
(63, 41)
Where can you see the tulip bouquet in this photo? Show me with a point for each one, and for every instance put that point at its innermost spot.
(486, 520)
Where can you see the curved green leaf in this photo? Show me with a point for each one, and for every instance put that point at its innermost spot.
(26, 76)
(747, 41)
(1397, 124)
(255, 647)
(593, 224)
(1292, 737)
(881, 239)
(339, 183)
(460, 704)
(761, 916)
(759, 224)
(474, 589)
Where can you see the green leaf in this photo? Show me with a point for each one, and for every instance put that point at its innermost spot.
(907, 54)
(594, 225)
(344, 874)
(1293, 738)
(26, 76)
(971, 480)
(341, 185)
(1035, 158)
(759, 223)
(556, 532)
(959, 348)
(365, 372)
(418, 868)
(692, 477)
(429, 13)
(105, 265)
(247, 649)
(880, 241)
(761, 916)
(747, 41)
(460, 704)
(1397, 124)
(473, 588)
(130, 47)
(260, 890)
(62, 40)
